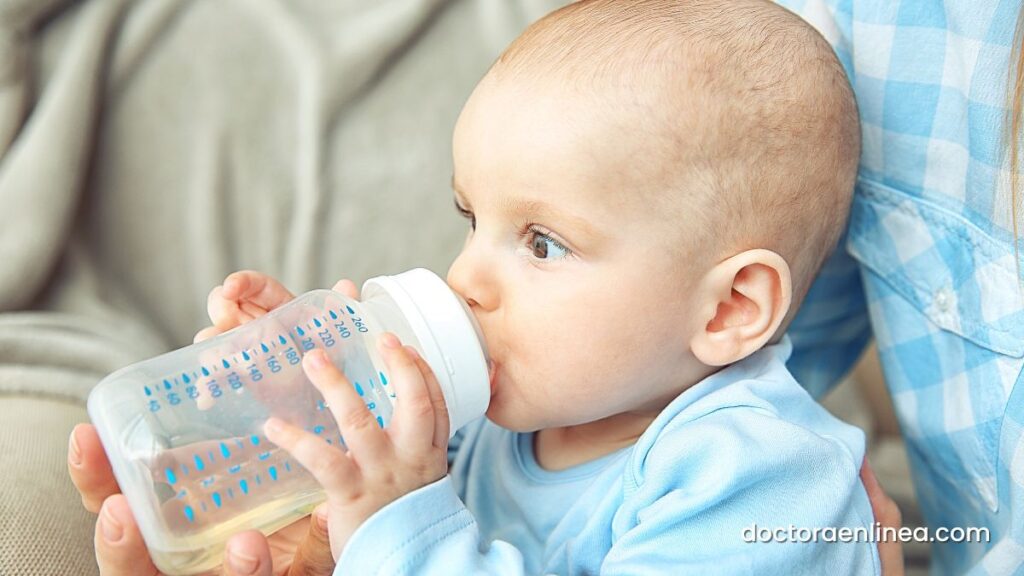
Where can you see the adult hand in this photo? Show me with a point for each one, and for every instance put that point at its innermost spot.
(887, 513)
(302, 547)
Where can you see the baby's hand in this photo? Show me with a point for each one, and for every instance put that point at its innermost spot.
(379, 465)
(247, 295)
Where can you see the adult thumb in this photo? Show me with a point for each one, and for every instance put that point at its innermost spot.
(313, 557)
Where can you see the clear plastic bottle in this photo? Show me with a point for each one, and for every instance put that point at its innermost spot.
(183, 431)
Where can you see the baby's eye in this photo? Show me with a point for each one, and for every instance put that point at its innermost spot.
(542, 246)
(466, 214)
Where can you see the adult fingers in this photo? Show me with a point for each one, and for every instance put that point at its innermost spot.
(887, 513)
(248, 554)
(313, 557)
(120, 550)
(89, 467)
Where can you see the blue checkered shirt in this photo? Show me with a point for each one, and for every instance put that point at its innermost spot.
(927, 265)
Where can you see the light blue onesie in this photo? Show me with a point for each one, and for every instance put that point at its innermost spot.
(745, 446)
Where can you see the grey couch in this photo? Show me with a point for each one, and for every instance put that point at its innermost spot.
(150, 147)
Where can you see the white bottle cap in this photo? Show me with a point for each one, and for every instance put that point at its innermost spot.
(449, 336)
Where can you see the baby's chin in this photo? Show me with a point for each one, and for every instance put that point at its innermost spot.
(508, 418)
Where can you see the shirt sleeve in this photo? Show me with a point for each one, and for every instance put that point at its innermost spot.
(428, 531)
(831, 329)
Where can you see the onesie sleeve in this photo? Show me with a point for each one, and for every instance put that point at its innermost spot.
(426, 532)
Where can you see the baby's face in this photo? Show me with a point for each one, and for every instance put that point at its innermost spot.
(580, 281)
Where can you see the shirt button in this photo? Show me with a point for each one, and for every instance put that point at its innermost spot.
(942, 300)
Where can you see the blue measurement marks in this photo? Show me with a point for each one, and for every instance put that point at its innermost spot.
(255, 369)
(217, 496)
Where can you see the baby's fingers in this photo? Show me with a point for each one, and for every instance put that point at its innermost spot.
(360, 429)
(415, 417)
(206, 334)
(442, 425)
(346, 287)
(244, 296)
(331, 467)
(257, 289)
(224, 312)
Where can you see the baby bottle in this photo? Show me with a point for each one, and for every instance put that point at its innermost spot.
(183, 431)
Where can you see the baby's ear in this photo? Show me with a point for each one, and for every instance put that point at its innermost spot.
(744, 300)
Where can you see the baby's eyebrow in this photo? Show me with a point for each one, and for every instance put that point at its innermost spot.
(540, 210)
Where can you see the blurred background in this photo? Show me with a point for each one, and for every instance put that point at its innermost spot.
(150, 147)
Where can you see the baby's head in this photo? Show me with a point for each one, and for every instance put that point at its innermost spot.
(652, 187)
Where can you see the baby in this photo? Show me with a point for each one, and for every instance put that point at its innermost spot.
(651, 186)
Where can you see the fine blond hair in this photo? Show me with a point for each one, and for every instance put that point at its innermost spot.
(751, 92)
